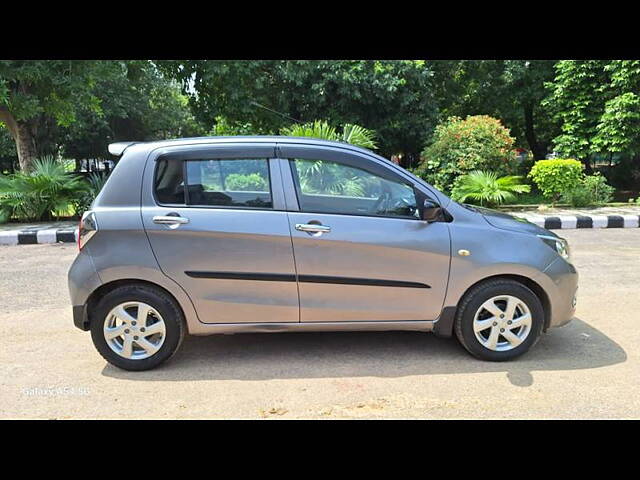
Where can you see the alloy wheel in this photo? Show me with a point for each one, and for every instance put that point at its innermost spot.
(134, 330)
(502, 323)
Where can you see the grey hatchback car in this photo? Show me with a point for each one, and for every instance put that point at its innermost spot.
(228, 235)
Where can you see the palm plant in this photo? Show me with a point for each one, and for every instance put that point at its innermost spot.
(324, 177)
(83, 200)
(317, 176)
(360, 136)
(41, 193)
(487, 189)
(350, 133)
(96, 182)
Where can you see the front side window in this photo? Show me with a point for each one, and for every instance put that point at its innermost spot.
(217, 182)
(330, 187)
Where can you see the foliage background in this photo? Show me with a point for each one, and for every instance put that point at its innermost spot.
(410, 110)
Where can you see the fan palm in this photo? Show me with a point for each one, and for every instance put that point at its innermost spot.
(39, 194)
(85, 197)
(487, 189)
(325, 177)
(360, 136)
(353, 134)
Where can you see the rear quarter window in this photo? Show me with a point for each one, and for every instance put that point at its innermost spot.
(169, 182)
(215, 182)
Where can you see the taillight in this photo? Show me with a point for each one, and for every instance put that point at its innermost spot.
(87, 228)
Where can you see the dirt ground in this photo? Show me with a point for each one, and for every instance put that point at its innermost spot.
(587, 369)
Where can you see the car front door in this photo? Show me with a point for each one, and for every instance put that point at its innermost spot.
(214, 217)
(361, 251)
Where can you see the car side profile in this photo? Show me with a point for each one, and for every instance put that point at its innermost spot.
(225, 235)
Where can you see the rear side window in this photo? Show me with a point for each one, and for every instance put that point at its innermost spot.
(218, 182)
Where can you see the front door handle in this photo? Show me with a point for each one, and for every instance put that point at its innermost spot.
(172, 220)
(312, 228)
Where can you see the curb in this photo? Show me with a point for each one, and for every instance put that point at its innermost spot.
(32, 237)
(559, 222)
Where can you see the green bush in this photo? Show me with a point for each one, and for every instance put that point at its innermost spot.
(557, 176)
(486, 188)
(462, 146)
(40, 194)
(252, 182)
(579, 196)
(592, 190)
(601, 192)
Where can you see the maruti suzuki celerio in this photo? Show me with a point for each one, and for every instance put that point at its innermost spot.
(279, 234)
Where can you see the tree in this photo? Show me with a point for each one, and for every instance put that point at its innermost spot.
(34, 92)
(576, 100)
(598, 105)
(137, 103)
(393, 98)
(618, 130)
(511, 90)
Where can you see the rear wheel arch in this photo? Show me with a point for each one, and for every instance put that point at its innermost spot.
(104, 289)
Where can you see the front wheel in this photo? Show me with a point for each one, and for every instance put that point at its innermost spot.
(499, 320)
(137, 327)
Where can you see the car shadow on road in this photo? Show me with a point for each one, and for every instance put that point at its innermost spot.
(266, 356)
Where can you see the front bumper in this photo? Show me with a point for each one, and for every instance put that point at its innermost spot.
(561, 278)
(80, 318)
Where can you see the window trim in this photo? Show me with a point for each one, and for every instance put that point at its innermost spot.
(298, 191)
(186, 204)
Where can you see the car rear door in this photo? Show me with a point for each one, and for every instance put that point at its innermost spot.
(361, 252)
(225, 237)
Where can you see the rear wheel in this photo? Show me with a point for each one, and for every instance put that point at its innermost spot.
(137, 327)
(499, 320)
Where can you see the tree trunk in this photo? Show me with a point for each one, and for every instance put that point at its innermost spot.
(539, 151)
(26, 146)
(24, 138)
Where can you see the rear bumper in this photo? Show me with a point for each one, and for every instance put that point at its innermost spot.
(83, 280)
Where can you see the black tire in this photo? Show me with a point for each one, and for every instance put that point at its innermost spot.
(165, 305)
(479, 294)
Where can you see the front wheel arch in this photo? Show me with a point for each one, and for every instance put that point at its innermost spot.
(445, 329)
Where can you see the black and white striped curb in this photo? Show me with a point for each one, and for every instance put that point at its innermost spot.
(45, 235)
(558, 222)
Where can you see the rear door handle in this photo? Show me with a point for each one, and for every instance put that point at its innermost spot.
(312, 228)
(170, 220)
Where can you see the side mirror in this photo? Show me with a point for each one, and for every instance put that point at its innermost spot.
(431, 211)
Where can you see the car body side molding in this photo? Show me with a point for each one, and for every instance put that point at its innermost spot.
(279, 277)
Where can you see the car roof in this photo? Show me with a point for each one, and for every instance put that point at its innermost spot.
(119, 147)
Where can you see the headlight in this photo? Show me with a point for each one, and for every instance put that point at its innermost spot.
(560, 245)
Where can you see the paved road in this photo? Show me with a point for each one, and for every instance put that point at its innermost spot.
(588, 369)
